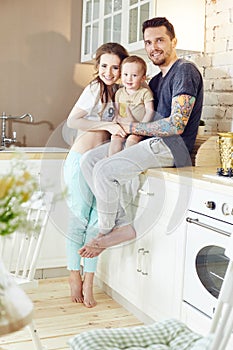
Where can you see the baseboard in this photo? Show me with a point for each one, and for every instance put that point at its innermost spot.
(51, 272)
(141, 316)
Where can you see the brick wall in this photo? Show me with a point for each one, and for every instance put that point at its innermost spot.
(217, 66)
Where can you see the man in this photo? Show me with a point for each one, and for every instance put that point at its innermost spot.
(170, 137)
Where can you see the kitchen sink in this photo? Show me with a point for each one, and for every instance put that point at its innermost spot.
(36, 149)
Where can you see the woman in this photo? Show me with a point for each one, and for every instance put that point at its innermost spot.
(92, 116)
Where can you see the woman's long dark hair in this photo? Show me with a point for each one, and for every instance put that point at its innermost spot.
(107, 92)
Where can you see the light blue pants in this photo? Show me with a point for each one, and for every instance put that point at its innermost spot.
(83, 220)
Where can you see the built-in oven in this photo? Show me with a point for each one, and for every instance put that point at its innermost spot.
(209, 226)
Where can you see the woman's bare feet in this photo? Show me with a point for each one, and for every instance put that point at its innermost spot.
(88, 300)
(101, 242)
(76, 286)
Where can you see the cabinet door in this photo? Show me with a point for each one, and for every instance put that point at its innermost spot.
(137, 12)
(112, 21)
(179, 14)
(164, 289)
(189, 37)
(51, 179)
(160, 222)
(91, 29)
(102, 22)
(124, 268)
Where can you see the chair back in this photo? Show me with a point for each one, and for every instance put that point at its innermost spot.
(222, 323)
(20, 251)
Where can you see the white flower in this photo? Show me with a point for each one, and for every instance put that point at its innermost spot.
(16, 188)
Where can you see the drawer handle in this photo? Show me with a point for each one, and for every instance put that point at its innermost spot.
(145, 193)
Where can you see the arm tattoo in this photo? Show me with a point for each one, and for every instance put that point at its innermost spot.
(182, 106)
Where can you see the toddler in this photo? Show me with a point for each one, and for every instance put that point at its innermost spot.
(134, 101)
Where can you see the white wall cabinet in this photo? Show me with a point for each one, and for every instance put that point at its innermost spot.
(121, 21)
(102, 22)
(188, 21)
(148, 272)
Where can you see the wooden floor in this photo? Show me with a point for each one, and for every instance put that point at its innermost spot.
(58, 319)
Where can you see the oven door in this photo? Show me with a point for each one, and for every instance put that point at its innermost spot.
(205, 261)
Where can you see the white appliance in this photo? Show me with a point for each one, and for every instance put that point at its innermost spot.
(209, 226)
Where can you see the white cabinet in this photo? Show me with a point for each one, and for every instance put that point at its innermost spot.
(121, 21)
(90, 29)
(53, 251)
(50, 172)
(149, 271)
(102, 22)
(188, 20)
(137, 12)
(190, 38)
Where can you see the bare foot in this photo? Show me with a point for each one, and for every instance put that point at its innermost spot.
(76, 286)
(100, 243)
(92, 248)
(89, 300)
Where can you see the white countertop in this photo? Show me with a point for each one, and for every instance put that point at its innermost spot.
(36, 153)
(200, 176)
(203, 177)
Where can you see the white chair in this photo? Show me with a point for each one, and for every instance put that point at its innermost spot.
(222, 323)
(169, 334)
(20, 251)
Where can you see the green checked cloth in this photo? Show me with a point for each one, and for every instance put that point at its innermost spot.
(165, 335)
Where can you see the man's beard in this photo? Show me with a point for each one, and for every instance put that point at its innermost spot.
(158, 62)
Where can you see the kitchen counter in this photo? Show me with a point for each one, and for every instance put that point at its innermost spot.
(202, 177)
(36, 153)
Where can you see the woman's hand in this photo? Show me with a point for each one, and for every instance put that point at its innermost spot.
(115, 129)
(125, 126)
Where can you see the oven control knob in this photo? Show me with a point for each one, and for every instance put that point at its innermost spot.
(225, 209)
(210, 204)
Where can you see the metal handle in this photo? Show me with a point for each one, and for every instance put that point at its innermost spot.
(209, 227)
(145, 263)
(139, 259)
(141, 191)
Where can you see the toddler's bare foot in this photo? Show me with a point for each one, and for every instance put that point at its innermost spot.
(76, 287)
(101, 242)
(89, 300)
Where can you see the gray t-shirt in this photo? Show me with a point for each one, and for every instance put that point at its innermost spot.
(182, 78)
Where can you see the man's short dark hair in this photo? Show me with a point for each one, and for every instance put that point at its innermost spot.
(159, 22)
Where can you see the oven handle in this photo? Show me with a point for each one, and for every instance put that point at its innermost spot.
(209, 227)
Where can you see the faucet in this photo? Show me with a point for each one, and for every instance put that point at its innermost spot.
(23, 116)
(4, 117)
